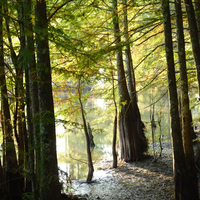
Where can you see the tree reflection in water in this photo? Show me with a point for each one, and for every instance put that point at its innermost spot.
(71, 144)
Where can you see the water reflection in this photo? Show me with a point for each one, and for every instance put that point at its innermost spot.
(71, 144)
(71, 150)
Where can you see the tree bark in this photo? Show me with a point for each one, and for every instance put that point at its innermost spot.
(131, 82)
(128, 58)
(132, 148)
(24, 12)
(89, 156)
(32, 102)
(20, 97)
(49, 183)
(114, 152)
(92, 144)
(185, 112)
(194, 36)
(181, 176)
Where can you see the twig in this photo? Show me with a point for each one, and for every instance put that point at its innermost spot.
(78, 159)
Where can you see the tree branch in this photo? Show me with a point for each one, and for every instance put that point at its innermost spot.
(57, 9)
(147, 56)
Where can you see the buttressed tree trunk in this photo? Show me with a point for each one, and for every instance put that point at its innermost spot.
(139, 125)
(130, 144)
(182, 178)
(49, 183)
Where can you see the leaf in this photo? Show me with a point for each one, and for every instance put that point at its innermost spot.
(124, 103)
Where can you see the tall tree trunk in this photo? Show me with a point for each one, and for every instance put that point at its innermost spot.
(29, 139)
(18, 115)
(194, 36)
(89, 156)
(131, 148)
(181, 176)
(114, 152)
(49, 183)
(128, 58)
(32, 91)
(185, 112)
(23, 66)
(19, 89)
(131, 82)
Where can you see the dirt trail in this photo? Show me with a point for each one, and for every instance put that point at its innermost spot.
(144, 180)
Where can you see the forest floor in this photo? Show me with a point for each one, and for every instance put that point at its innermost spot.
(145, 180)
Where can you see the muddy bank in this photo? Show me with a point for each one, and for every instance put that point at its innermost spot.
(145, 180)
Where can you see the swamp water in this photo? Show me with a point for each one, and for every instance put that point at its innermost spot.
(71, 144)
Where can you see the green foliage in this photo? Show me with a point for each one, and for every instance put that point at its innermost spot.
(27, 196)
